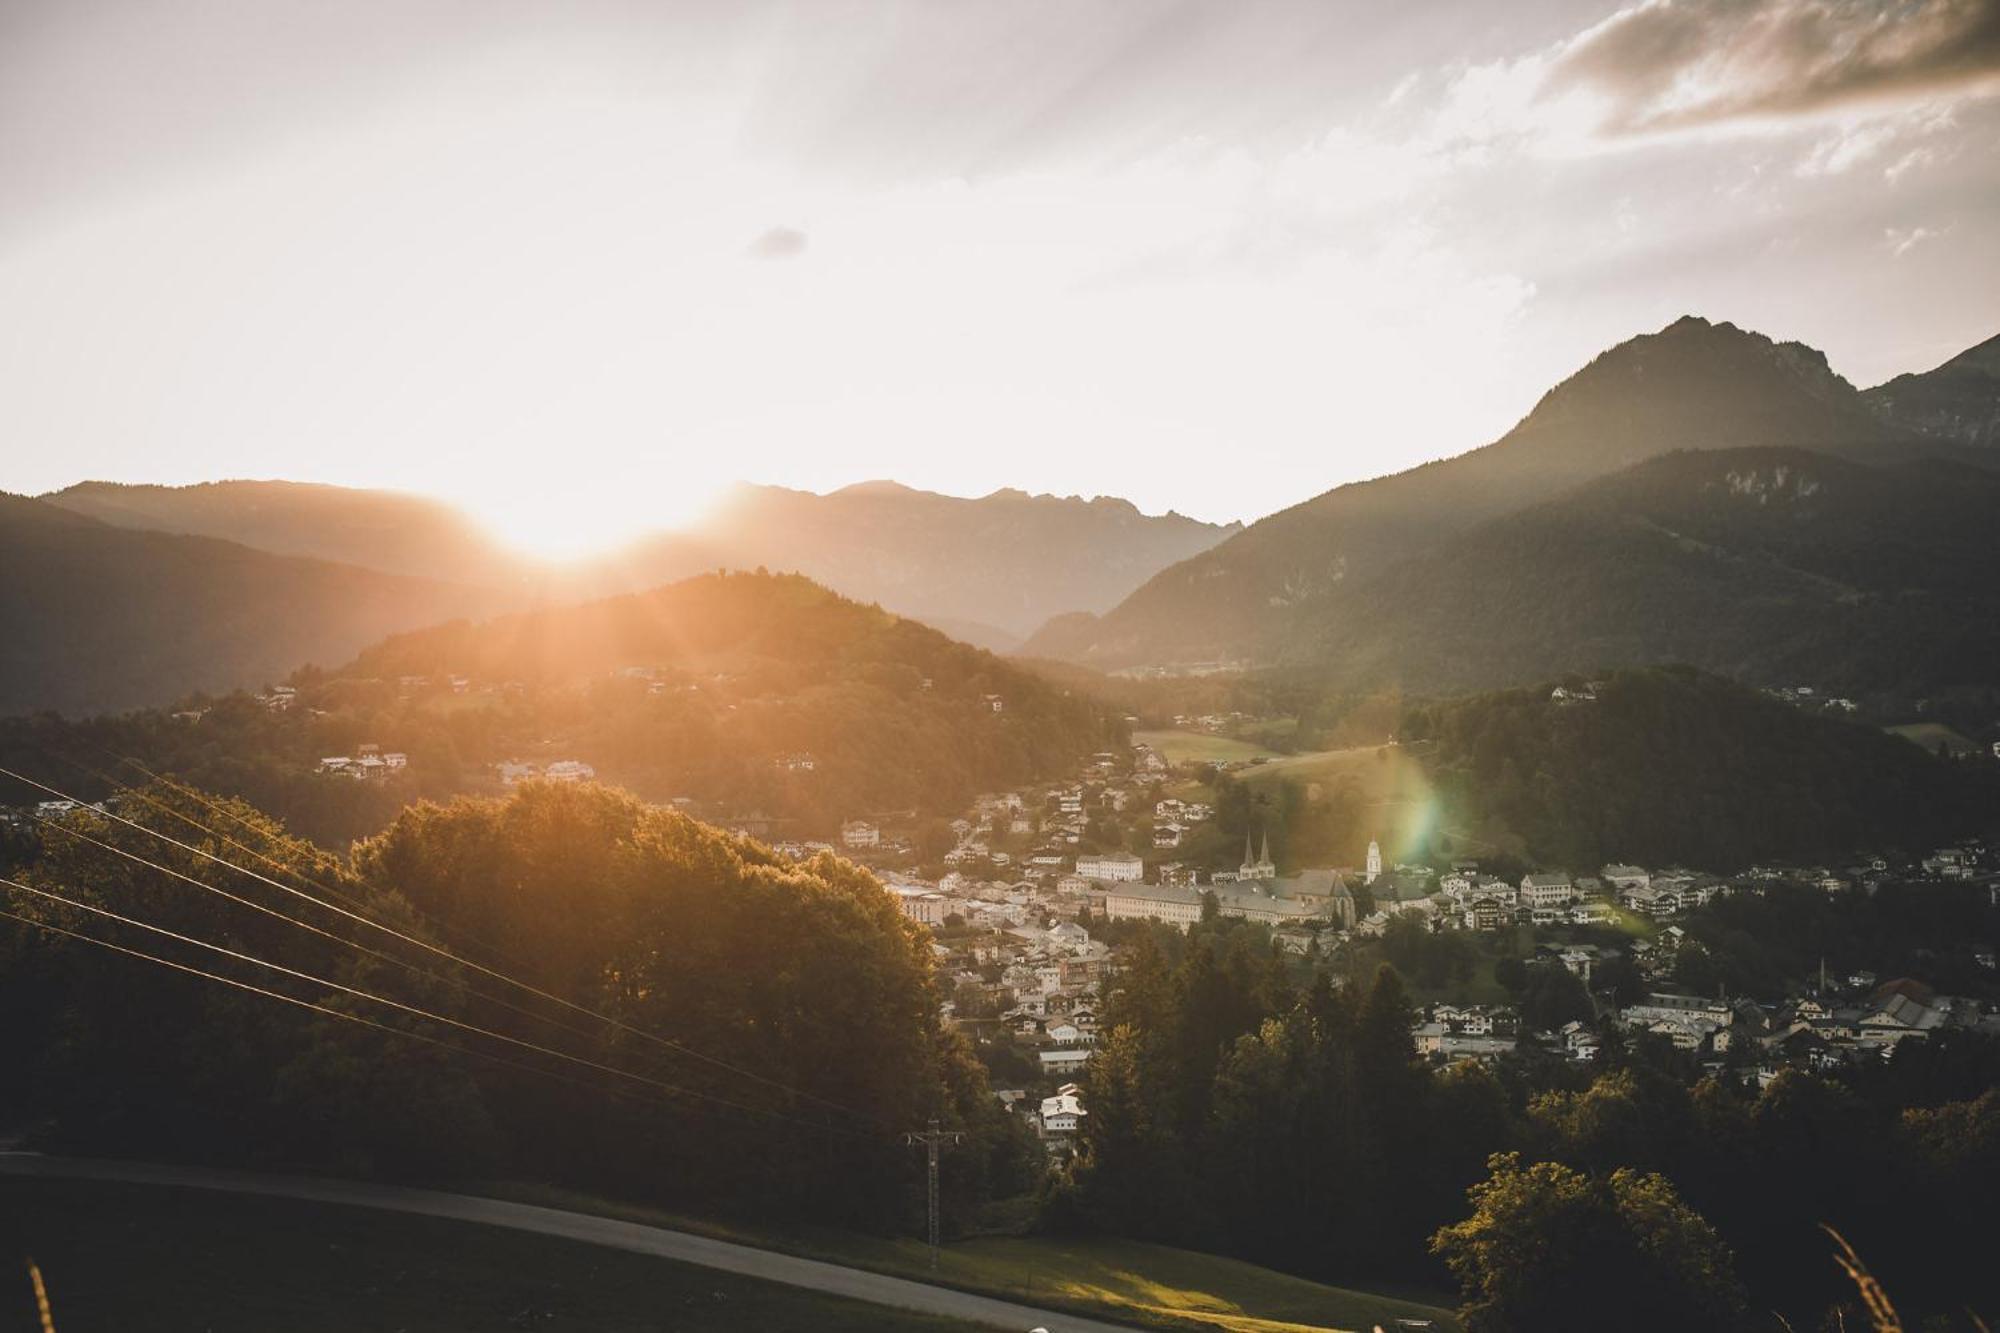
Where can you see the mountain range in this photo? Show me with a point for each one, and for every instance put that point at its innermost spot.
(994, 568)
(140, 594)
(1703, 493)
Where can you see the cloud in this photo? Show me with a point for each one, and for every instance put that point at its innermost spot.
(1672, 64)
(1902, 240)
(778, 243)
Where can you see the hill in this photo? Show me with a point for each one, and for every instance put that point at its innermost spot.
(993, 567)
(1669, 766)
(762, 700)
(1770, 565)
(1958, 402)
(1693, 385)
(380, 530)
(101, 618)
(748, 692)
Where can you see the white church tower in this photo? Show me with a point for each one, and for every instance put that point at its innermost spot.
(1374, 862)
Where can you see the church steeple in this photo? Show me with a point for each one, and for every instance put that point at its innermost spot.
(1262, 867)
(1374, 862)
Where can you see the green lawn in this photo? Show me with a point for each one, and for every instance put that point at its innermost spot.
(1198, 747)
(1129, 1281)
(129, 1257)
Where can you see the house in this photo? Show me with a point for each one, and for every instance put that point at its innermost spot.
(1069, 937)
(1062, 1115)
(1065, 1060)
(1117, 867)
(1622, 877)
(569, 770)
(1592, 914)
(1167, 835)
(856, 834)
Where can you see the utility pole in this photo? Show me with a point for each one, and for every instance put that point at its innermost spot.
(932, 1139)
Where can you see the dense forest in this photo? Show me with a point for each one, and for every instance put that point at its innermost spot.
(788, 1010)
(1671, 766)
(1232, 1110)
(745, 693)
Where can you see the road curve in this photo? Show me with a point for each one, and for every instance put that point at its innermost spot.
(681, 1246)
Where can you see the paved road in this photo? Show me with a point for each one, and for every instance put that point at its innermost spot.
(685, 1247)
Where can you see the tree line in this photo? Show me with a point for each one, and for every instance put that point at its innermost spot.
(1295, 1126)
(788, 1010)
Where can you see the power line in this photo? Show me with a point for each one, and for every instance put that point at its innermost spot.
(413, 1010)
(414, 969)
(325, 1009)
(666, 1042)
(215, 808)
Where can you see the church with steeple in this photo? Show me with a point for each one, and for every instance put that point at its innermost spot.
(1261, 868)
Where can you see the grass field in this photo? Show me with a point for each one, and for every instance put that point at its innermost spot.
(1129, 1281)
(1932, 734)
(1197, 747)
(125, 1257)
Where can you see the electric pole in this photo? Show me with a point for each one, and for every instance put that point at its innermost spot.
(932, 1139)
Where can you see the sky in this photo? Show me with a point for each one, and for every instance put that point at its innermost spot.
(579, 265)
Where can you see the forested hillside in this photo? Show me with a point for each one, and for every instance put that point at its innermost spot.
(1669, 766)
(1776, 566)
(748, 694)
(779, 1062)
(99, 618)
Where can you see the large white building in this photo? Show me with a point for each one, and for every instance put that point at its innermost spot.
(1548, 890)
(1118, 867)
(1157, 902)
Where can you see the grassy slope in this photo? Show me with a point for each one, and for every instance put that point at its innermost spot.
(1198, 747)
(138, 1256)
(1129, 1281)
(1928, 734)
(1352, 795)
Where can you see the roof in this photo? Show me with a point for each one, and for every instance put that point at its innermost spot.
(1154, 893)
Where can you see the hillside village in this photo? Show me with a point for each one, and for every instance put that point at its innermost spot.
(1029, 923)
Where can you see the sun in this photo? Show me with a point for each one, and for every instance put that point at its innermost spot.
(567, 523)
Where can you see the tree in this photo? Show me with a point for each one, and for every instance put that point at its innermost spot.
(1550, 1249)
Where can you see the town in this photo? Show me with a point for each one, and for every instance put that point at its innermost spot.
(1029, 927)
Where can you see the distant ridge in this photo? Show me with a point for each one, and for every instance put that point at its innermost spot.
(1288, 580)
(101, 619)
(1006, 561)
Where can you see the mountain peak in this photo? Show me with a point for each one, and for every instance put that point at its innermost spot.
(1693, 378)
